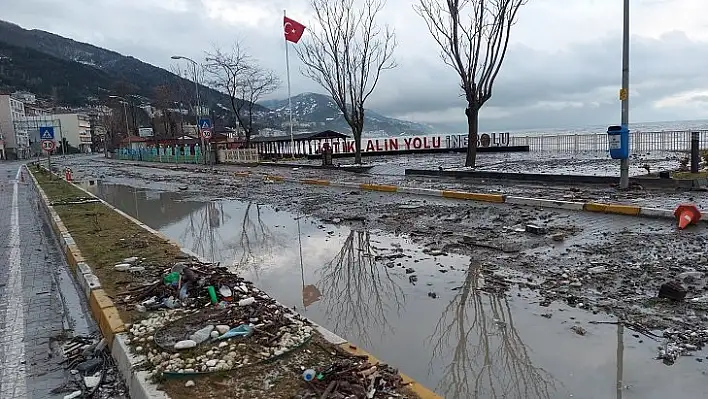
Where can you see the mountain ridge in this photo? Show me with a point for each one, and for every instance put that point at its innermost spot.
(75, 73)
(319, 110)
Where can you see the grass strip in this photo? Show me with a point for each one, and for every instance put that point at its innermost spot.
(105, 238)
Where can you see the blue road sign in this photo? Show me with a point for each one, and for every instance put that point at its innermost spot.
(204, 124)
(46, 133)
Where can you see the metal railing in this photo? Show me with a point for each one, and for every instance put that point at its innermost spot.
(639, 142)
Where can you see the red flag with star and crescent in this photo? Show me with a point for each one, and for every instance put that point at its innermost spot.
(293, 30)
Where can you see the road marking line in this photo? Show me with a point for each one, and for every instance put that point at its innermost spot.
(14, 383)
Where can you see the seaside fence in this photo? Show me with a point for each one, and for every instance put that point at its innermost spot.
(639, 142)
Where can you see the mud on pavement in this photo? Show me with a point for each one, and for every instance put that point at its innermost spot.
(594, 263)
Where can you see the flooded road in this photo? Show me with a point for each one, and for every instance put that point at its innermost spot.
(432, 314)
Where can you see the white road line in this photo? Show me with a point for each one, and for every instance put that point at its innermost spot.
(13, 380)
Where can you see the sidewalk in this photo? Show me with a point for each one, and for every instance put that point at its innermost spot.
(33, 318)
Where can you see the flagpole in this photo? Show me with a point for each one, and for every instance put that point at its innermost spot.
(290, 103)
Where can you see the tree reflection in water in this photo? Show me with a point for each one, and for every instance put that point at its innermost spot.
(358, 292)
(256, 241)
(489, 359)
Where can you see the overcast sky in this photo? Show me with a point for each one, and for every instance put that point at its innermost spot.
(563, 67)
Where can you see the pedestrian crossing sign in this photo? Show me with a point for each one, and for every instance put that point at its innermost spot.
(46, 133)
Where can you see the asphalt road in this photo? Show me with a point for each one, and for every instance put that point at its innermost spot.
(38, 308)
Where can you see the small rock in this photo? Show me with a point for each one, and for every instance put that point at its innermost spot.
(432, 295)
(122, 267)
(222, 329)
(137, 269)
(211, 363)
(597, 270)
(186, 344)
(558, 237)
(189, 384)
(132, 259)
(672, 290)
(214, 334)
(410, 270)
(336, 220)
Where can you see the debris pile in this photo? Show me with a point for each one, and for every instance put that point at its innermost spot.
(212, 320)
(353, 377)
(92, 371)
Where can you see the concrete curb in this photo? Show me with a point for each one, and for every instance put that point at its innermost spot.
(113, 328)
(595, 207)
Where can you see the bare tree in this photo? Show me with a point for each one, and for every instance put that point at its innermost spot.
(244, 80)
(346, 53)
(473, 36)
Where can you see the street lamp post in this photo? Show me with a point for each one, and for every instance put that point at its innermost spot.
(196, 95)
(624, 163)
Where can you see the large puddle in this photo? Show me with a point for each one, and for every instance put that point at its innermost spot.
(420, 311)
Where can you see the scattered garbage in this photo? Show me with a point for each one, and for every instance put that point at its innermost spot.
(91, 369)
(535, 229)
(672, 290)
(352, 377)
(308, 375)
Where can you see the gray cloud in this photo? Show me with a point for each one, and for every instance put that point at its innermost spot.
(574, 84)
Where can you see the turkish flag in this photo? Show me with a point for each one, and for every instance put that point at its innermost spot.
(293, 30)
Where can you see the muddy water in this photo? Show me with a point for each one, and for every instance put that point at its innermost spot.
(437, 327)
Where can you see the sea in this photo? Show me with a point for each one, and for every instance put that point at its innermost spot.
(600, 129)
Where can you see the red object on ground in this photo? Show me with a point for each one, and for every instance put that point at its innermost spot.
(67, 174)
(687, 214)
(293, 30)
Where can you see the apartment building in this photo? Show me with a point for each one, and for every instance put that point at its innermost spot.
(15, 141)
(76, 130)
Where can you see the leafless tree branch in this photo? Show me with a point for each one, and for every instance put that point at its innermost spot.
(236, 73)
(473, 36)
(345, 53)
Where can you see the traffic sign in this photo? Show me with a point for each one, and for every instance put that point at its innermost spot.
(205, 124)
(48, 145)
(206, 133)
(46, 132)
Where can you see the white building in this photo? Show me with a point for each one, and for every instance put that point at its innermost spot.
(14, 143)
(76, 130)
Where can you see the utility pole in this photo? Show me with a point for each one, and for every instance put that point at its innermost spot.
(624, 163)
(198, 106)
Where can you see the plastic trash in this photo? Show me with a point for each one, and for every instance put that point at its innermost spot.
(169, 303)
(171, 278)
(183, 291)
(308, 375)
(243, 330)
(202, 335)
(212, 294)
(225, 292)
(247, 301)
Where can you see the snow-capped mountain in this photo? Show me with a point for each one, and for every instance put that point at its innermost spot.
(312, 111)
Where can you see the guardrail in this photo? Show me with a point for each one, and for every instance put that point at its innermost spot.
(639, 142)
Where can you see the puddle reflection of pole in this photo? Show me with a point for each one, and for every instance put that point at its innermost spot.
(302, 267)
(620, 358)
(135, 198)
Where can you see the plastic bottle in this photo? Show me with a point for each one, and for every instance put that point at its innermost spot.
(212, 294)
(308, 375)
